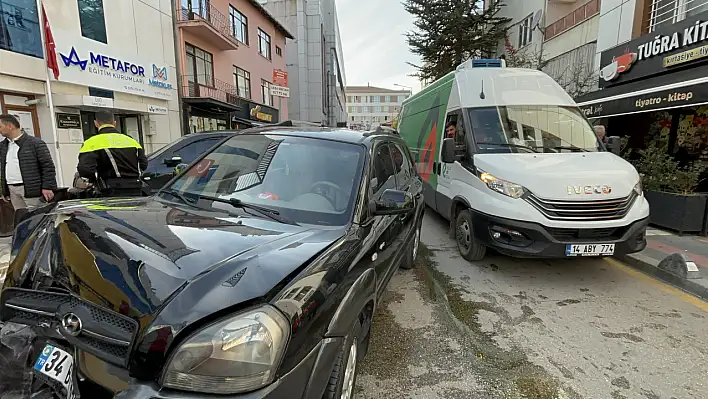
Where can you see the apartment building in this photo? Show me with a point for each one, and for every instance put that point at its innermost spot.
(653, 86)
(116, 55)
(369, 106)
(230, 53)
(315, 63)
(561, 33)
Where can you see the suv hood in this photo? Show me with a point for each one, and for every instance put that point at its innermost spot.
(553, 175)
(138, 256)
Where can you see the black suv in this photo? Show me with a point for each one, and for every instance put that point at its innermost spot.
(254, 273)
(184, 150)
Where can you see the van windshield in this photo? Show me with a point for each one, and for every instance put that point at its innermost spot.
(532, 128)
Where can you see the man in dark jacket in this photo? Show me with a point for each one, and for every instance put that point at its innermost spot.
(113, 161)
(27, 169)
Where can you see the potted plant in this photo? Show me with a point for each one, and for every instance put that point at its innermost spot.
(670, 190)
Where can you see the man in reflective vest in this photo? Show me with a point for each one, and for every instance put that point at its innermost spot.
(111, 160)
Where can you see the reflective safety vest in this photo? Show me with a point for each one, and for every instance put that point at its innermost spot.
(107, 141)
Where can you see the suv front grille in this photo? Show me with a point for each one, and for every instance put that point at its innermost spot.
(609, 209)
(103, 333)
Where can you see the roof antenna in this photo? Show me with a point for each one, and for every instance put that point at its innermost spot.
(481, 94)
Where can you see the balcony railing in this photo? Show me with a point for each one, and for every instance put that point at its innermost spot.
(207, 14)
(207, 86)
(578, 16)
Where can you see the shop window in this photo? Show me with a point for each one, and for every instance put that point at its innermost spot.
(242, 81)
(239, 25)
(200, 66)
(19, 28)
(263, 44)
(92, 20)
(265, 93)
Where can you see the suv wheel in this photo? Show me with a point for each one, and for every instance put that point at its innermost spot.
(468, 246)
(342, 381)
(412, 253)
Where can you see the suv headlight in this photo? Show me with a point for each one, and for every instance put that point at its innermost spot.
(234, 355)
(509, 189)
(638, 188)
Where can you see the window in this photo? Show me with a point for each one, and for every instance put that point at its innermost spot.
(265, 92)
(239, 25)
(282, 173)
(531, 128)
(200, 66)
(92, 20)
(278, 51)
(263, 44)
(382, 171)
(19, 28)
(242, 81)
(403, 166)
(191, 151)
(525, 31)
(357, 99)
(374, 99)
(666, 12)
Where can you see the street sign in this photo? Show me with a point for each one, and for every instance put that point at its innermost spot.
(279, 91)
(280, 78)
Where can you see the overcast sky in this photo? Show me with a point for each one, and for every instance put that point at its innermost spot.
(375, 50)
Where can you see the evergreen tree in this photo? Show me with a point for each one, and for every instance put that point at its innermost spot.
(448, 32)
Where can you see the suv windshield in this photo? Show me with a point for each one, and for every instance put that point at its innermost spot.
(531, 128)
(306, 180)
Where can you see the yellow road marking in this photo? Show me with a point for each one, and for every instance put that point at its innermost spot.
(684, 296)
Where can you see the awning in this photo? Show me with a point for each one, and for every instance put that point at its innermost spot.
(676, 90)
(211, 104)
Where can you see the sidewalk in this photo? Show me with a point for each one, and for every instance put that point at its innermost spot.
(661, 244)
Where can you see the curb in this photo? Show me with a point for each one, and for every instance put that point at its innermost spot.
(655, 268)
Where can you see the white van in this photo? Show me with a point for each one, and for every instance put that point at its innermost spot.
(512, 162)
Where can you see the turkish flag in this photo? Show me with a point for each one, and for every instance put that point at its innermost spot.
(51, 48)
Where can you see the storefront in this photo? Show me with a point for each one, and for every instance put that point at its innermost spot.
(654, 89)
(204, 114)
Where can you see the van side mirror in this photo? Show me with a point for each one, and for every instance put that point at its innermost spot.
(174, 161)
(614, 144)
(448, 151)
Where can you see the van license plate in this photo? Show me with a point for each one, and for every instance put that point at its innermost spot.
(589, 249)
(58, 365)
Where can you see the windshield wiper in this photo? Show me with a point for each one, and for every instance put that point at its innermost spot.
(508, 145)
(181, 197)
(566, 147)
(270, 213)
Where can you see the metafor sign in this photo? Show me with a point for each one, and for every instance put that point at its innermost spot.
(89, 63)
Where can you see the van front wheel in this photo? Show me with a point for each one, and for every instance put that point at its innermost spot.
(468, 246)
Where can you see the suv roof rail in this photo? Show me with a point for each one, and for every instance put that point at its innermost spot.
(382, 130)
(296, 123)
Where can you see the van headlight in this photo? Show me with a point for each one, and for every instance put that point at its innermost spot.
(507, 188)
(234, 355)
(638, 188)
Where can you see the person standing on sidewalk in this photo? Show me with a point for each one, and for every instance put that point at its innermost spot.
(111, 160)
(27, 173)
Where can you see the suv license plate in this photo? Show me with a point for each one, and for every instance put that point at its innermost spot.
(589, 249)
(57, 365)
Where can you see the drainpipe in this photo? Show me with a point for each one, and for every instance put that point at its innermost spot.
(178, 67)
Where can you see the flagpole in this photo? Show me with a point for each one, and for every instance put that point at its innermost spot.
(50, 102)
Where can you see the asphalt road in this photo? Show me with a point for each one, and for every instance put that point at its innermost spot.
(512, 328)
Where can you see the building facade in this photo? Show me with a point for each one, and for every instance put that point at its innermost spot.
(314, 60)
(116, 55)
(561, 34)
(653, 85)
(369, 107)
(230, 52)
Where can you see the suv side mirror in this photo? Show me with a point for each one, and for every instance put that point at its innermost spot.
(448, 151)
(174, 161)
(393, 202)
(614, 144)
